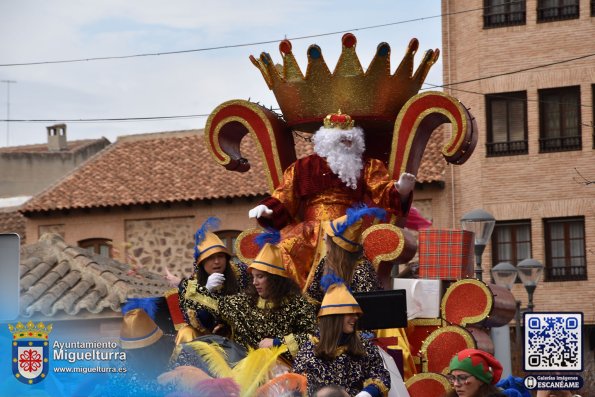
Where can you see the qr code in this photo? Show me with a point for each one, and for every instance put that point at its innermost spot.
(553, 342)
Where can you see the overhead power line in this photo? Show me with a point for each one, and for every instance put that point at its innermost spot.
(147, 118)
(151, 54)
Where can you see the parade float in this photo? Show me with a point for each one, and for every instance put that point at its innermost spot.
(397, 122)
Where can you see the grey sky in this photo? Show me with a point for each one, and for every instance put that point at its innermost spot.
(183, 84)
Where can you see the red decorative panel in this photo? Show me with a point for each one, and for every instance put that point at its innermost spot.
(427, 385)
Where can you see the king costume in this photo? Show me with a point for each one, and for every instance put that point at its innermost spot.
(311, 193)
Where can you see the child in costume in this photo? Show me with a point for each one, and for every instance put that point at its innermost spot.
(270, 313)
(217, 273)
(338, 355)
(344, 256)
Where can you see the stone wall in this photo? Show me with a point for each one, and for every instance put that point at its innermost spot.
(157, 244)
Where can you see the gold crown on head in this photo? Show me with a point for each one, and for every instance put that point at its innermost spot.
(375, 95)
(31, 330)
(338, 120)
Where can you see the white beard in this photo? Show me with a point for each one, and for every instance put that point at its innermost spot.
(346, 162)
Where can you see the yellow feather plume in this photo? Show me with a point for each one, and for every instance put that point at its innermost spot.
(214, 356)
(176, 352)
(253, 370)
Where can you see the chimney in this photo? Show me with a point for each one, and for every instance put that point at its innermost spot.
(57, 137)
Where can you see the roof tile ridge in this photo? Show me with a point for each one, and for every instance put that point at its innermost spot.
(25, 208)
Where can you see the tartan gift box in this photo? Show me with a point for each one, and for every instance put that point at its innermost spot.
(446, 254)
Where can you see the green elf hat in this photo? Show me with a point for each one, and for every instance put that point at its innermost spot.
(478, 363)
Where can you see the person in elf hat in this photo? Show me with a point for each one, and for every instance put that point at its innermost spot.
(322, 186)
(344, 256)
(474, 373)
(338, 355)
(271, 312)
(214, 270)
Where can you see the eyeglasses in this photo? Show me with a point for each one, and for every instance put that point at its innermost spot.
(460, 379)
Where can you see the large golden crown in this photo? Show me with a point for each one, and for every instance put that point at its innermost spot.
(373, 97)
(31, 330)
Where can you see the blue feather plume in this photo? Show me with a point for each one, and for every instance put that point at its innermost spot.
(149, 305)
(212, 223)
(329, 279)
(356, 213)
(270, 235)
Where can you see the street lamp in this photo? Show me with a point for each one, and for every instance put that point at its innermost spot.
(529, 271)
(481, 223)
(504, 274)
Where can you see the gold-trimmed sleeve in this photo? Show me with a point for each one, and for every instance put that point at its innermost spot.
(379, 384)
(292, 344)
(193, 295)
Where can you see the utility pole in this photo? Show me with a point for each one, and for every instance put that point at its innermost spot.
(8, 83)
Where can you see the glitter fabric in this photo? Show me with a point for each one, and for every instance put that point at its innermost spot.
(466, 302)
(427, 385)
(372, 97)
(442, 345)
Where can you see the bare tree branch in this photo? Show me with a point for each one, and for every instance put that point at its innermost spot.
(584, 181)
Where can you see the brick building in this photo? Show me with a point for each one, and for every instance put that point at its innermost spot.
(526, 70)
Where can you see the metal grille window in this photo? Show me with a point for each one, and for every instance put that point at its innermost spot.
(559, 119)
(507, 124)
(565, 249)
(497, 13)
(556, 10)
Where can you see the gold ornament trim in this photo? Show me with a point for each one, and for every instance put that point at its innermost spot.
(467, 337)
(470, 319)
(216, 149)
(429, 375)
(389, 255)
(237, 244)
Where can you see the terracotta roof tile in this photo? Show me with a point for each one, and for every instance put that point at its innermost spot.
(168, 167)
(12, 222)
(60, 279)
(433, 165)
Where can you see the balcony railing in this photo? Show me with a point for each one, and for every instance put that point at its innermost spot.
(511, 148)
(557, 13)
(504, 19)
(560, 144)
(567, 273)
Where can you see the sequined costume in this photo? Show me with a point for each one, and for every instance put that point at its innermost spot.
(291, 323)
(364, 279)
(198, 316)
(311, 193)
(344, 370)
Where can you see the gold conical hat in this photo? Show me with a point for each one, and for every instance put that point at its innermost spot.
(138, 330)
(209, 246)
(349, 239)
(338, 300)
(271, 259)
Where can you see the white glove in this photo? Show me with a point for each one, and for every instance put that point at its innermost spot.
(215, 281)
(405, 184)
(260, 210)
(363, 394)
